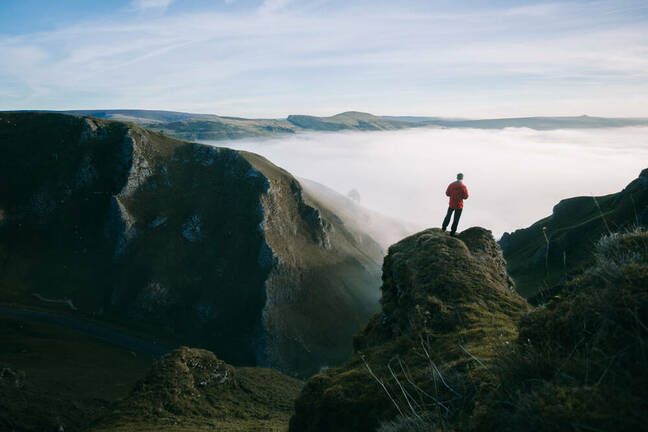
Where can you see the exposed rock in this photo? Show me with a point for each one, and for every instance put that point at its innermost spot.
(191, 229)
(133, 157)
(160, 220)
(87, 173)
(120, 226)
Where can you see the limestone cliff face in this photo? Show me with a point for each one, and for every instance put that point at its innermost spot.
(201, 245)
(446, 301)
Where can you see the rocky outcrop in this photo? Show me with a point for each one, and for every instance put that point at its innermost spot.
(191, 386)
(447, 303)
(199, 245)
(537, 262)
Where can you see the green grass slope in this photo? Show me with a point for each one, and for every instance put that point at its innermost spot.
(580, 362)
(573, 229)
(52, 377)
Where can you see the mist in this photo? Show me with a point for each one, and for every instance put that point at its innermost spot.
(514, 176)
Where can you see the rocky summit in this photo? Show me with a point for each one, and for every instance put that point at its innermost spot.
(447, 305)
(185, 243)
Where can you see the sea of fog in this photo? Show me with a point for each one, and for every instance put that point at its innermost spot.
(514, 176)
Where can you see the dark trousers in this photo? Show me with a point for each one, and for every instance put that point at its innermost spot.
(455, 221)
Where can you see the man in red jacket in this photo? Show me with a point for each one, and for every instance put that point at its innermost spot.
(457, 192)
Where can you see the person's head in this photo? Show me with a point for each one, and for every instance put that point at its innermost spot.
(460, 176)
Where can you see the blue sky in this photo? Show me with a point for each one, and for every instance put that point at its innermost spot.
(271, 58)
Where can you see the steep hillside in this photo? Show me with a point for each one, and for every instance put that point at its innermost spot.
(572, 230)
(191, 389)
(580, 362)
(199, 245)
(447, 302)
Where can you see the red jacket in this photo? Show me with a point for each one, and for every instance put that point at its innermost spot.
(457, 192)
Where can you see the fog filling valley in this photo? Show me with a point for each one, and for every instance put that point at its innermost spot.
(515, 176)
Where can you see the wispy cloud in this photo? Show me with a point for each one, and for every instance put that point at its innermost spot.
(322, 56)
(536, 10)
(144, 5)
(273, 5)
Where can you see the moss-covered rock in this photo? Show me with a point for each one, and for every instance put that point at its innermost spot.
(193, 388)
(447, 302)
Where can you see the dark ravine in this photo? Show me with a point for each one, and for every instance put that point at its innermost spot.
(206, 246)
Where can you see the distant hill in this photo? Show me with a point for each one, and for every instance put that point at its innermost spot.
(213, 127)
(137, 115)
(542, 123)
(351, 120)
(205, 127)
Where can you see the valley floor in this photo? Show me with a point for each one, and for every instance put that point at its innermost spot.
(60, 372)
(51, 376)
